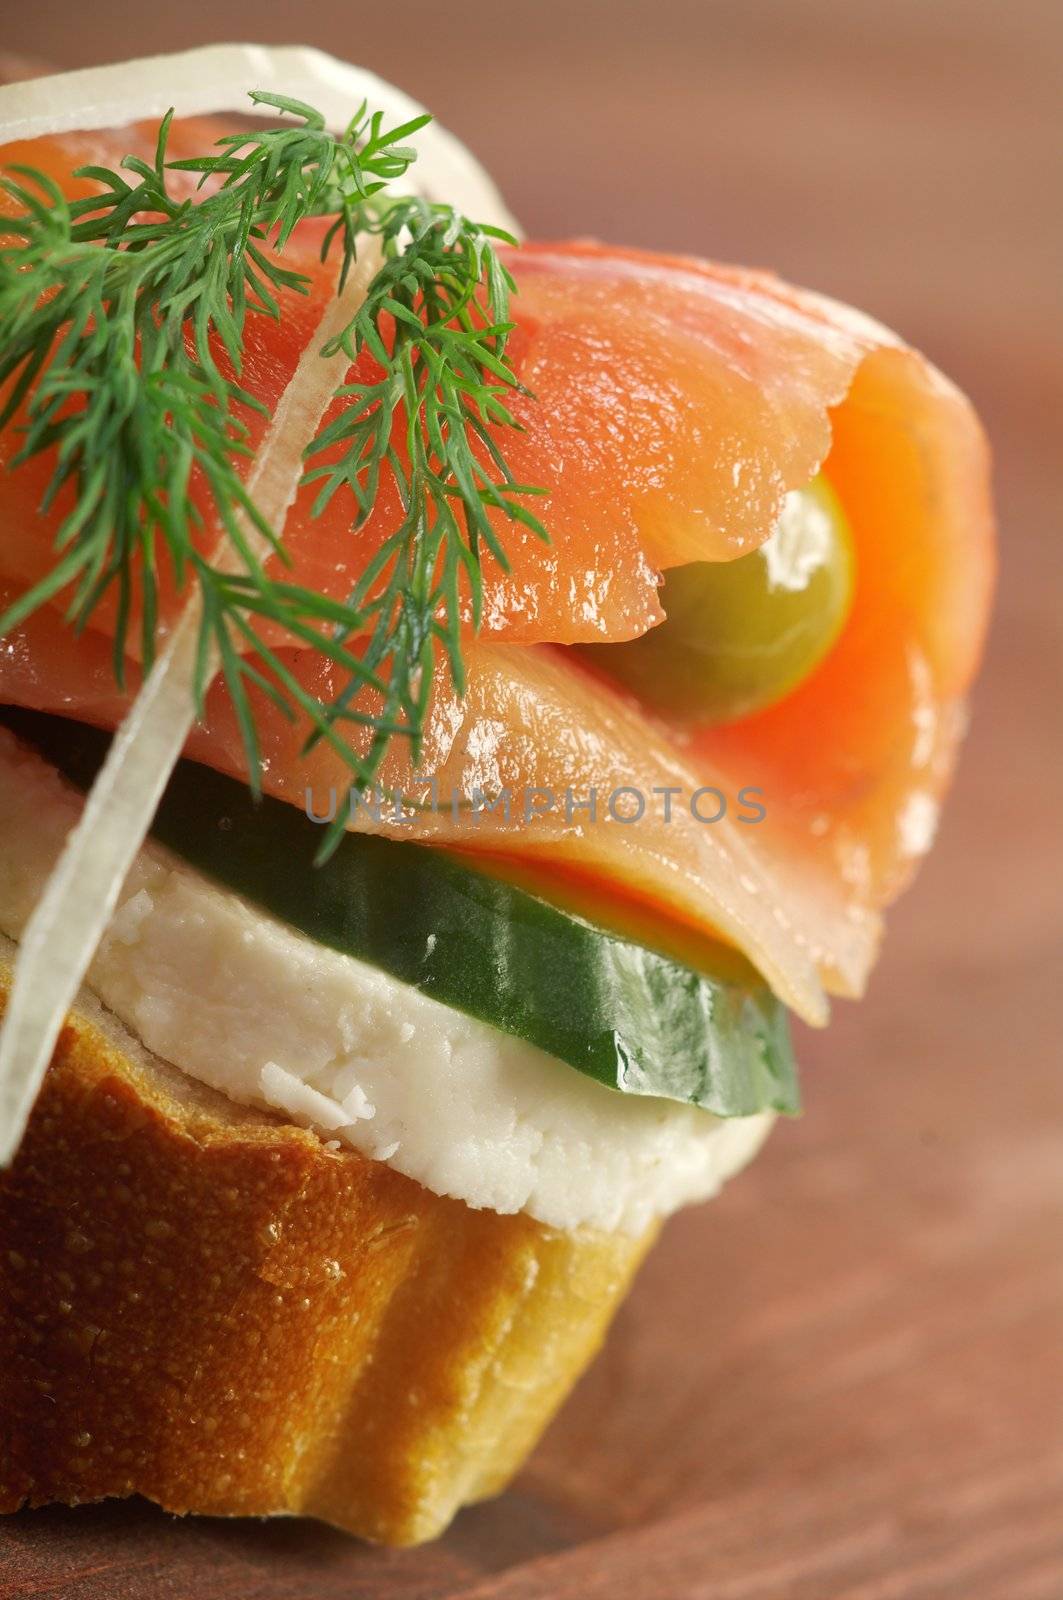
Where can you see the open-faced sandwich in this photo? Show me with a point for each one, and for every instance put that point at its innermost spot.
(531, 669)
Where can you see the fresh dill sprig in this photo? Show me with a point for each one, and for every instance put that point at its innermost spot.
(122, 319)
(436, 321)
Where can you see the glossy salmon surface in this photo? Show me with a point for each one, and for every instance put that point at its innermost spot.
(674, 404)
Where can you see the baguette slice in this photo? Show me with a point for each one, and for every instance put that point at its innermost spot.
(203, 1304)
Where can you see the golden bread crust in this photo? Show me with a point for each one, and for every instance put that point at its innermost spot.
(203, 1304)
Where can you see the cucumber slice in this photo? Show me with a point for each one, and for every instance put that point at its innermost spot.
(634, 1019)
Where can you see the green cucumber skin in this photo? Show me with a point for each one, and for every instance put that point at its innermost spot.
(628, 1016)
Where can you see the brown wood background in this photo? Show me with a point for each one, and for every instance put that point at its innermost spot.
(844, 1380)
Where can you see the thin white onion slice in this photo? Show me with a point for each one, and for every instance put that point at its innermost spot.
(220, 77)
(78, 900)
(79, 897)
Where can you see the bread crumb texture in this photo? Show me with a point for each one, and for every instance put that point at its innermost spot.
(206, 1305)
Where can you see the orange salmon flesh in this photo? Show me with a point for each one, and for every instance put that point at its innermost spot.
(675, 403)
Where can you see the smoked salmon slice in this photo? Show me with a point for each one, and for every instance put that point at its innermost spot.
(675, 402)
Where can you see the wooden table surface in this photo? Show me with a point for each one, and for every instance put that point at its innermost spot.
(844, 1379)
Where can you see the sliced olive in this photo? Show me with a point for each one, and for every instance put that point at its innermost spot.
(740, 635)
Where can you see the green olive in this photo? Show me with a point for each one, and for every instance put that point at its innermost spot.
(740, 635)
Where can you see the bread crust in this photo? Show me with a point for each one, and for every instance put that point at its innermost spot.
(205, 1305)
